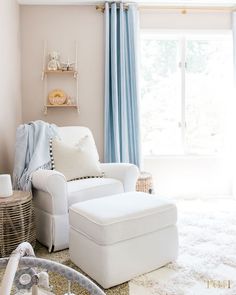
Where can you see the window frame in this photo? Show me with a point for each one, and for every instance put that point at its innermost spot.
(182, 36)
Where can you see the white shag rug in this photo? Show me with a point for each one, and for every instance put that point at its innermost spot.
(207, 251)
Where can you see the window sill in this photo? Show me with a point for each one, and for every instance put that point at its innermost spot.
(217, 157)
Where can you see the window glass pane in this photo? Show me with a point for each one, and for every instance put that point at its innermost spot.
(160, 96)
(208, 89)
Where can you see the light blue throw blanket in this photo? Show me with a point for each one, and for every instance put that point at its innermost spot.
(32, 151)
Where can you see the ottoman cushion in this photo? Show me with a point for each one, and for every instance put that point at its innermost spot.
(120, 217)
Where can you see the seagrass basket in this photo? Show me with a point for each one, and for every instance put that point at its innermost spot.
(145, 183)
(17, 222)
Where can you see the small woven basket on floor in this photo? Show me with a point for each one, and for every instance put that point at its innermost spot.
(145, 183)
(17, 222)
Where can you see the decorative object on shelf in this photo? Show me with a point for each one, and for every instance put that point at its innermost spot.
(57, 97)
(5, 186)
(70, 101)
(54, 61)
(17, 221)
(145, 183)
(67, 66)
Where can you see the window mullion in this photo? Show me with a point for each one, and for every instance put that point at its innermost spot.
(183, 92)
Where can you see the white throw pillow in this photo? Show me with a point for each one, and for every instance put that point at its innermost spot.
(75, 162)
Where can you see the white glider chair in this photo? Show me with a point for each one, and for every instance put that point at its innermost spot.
(53, 195)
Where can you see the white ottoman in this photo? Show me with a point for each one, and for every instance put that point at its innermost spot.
(115, 238)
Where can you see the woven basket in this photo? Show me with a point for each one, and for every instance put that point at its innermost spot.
(17, 222)
(57, 97)
(145, 183)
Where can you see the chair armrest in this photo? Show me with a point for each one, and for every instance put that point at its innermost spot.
(53, 183)
(126, 173)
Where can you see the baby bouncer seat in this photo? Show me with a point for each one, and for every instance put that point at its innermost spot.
(29, 274)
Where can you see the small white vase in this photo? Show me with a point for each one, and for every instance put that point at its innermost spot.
(5, 186)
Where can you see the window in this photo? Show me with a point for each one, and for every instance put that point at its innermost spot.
(186, 84)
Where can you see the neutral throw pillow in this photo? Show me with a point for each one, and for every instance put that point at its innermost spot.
(76, 162)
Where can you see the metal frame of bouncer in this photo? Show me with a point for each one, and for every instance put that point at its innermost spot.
(27, 278)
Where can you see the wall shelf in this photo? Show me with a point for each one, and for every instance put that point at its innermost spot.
(60, 72)
(61, 106)
(53, 75)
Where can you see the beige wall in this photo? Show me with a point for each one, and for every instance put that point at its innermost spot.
(61, 26)
(192, 20)
(10, 98)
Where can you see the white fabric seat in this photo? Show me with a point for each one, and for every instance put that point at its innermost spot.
(53, 195)
(92, 188)
(118, 237)
(81, 190)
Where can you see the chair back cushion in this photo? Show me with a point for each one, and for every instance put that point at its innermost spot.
(72, 134)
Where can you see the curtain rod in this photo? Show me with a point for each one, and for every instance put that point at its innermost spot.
(101, 7)
(182, 9)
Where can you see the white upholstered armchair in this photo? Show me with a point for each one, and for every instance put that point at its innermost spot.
(53, 195)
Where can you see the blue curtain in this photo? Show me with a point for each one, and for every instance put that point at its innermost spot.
(122, 132)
